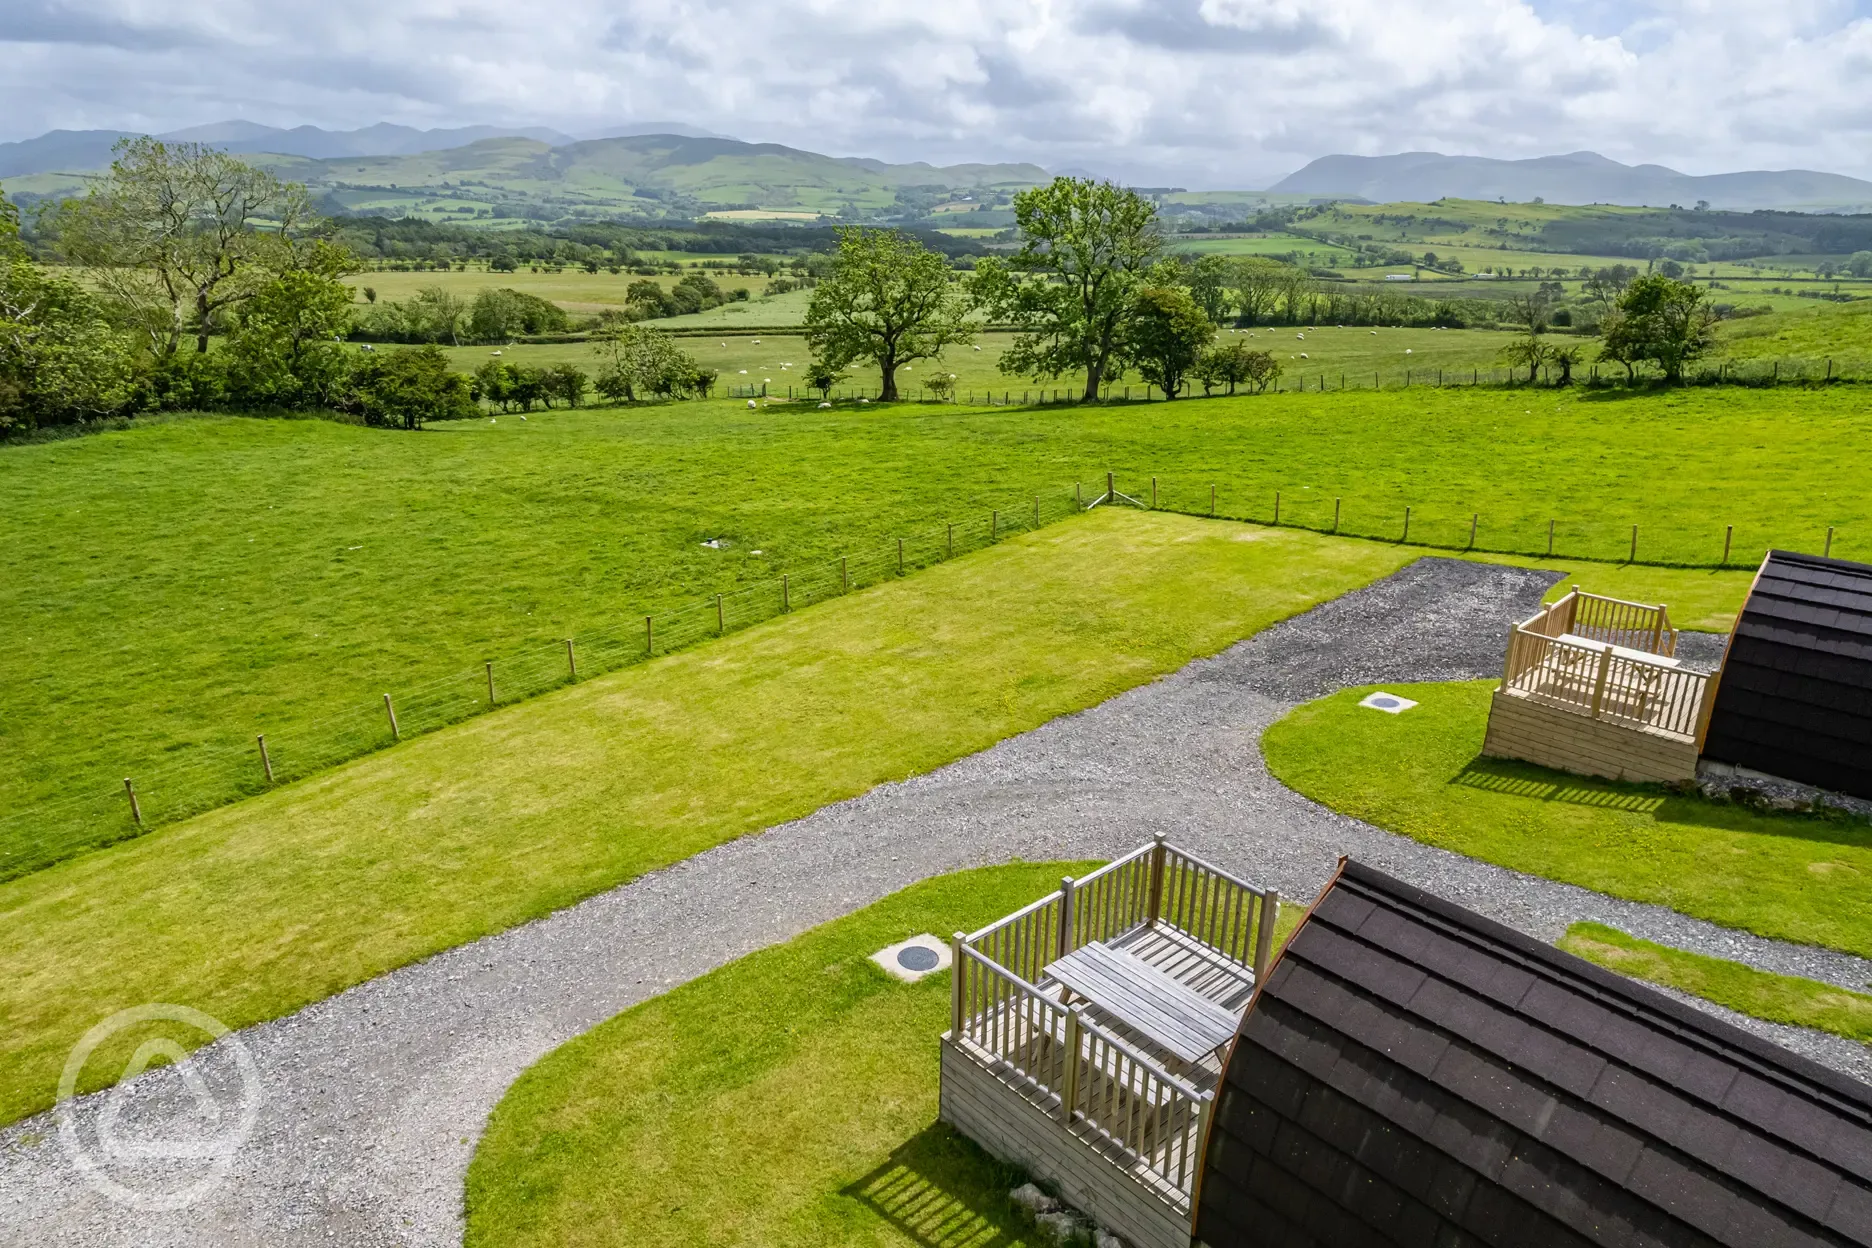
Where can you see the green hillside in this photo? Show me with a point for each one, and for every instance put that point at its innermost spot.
(645, 175)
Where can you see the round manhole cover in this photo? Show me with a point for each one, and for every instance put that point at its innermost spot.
(1387, 703)
(917, 958)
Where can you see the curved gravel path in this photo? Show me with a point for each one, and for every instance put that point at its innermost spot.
(372, 1100)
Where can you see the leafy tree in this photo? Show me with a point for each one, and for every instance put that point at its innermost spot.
(889, 301)
(498, 315)
(1234, 363)
(1257, 284)
(1165, 336)
(178, 234)
(567, 383)
(1529, 312)
(284, 347)
(370, 294)
(1663, 321)
(635, 360)
(1086, 248)
(823, 377)
(404, 389)
(942, 385)
(1207, 280)
(61, 359)
(1564, 359)
(1859, 264)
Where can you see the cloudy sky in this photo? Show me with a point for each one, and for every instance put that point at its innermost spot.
(1196, 92)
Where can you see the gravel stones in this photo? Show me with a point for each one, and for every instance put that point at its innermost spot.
(374, 1099)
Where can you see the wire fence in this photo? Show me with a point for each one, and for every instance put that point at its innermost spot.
(1326, 378)
(153, 794)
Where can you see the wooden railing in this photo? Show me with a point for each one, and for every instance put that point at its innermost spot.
(1633, 625)
(1101, 1087)
(1026, 941)
(1594, 681)
(1229, 916)
(1122, 1098)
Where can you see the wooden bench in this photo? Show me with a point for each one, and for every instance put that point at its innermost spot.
(1145, 999)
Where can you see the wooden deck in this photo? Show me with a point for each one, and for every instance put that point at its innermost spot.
(1089, 1030)
(1590, 686)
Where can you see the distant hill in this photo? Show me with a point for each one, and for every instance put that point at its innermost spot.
(79, 151)
(545, 176)
(1578, 178)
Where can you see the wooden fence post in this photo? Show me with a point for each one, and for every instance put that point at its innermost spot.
(1277, 494)
(1599, 680)
(900, 557)
(1036, 511)
(649, 637)
(1406, 536)
(1550, 525)
(1264, 937)
(720, 617)
(490, 676)
(994, 526)
(1069, 1084)
(136, 811)
(390, 710)
(956, 961)
(1065, 943)
(1473, 519)
(1828, 552)
(1634, 545)
(571, 661)
(1156, 880)
(266, 760)
(1335, 513)
(1212, 496)
(844, 576)
(951, 553)
(786, 593)
(1728, 537)
(1153, 493)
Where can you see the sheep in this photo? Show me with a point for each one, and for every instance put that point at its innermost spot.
(751, 403)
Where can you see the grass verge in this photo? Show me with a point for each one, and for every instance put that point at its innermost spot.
(253, 910)
(1759, 994)
(788, 1098)
(1798, 877)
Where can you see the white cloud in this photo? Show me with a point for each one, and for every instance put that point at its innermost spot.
(1203, 92)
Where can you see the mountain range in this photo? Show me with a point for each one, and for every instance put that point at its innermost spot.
(79, 151)
(1577, 178)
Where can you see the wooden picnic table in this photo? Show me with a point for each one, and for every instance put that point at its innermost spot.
(1147, 1000)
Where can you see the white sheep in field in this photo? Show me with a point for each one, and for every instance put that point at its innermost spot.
(751, 403)
(825, 405)
(1303, 355)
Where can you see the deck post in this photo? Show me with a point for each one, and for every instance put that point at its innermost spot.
(1066, 916)
(1156, 881)
(1264, 938)
(1599, 680)
(956, 961)
(1069, 1084)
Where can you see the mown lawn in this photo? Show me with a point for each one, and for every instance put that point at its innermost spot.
(787, 1099)
(1796, 877)
(173, 590)
(1777, 998)
(258, 908)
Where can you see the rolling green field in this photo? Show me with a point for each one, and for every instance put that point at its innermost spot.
(1786, 876)
(178, 588)
(258, 908)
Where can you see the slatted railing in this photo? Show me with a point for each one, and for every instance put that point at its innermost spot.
(1111, 901)
(1021, 1029)
(1634, 625)
(1024, 942)
(1593, 681)
(1229, 916)
(1120, 1097)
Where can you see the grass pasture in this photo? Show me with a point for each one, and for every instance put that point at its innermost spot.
(178, 588)
(1796, 877)
(258, 908)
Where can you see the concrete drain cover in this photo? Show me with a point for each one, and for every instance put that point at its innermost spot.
(910, 960)
(1389, 703)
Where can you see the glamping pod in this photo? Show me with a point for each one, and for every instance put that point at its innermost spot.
(1794, 698)
(1410, 1073)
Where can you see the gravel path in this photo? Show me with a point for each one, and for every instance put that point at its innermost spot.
(372, 1100)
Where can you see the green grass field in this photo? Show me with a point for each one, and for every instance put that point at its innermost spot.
(180, 587)
(723, 1112)
(1795, 877)
(258, 908)
(1777, 998)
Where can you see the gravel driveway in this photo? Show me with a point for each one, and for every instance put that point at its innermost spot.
(371, 1101)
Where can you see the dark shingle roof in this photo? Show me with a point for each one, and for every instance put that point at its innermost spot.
(1795, 698)
(1414, 1074)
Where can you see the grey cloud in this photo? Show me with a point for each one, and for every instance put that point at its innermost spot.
(1179, 26)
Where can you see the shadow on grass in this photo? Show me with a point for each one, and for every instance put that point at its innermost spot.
(1666, 805)
(942, 1191)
